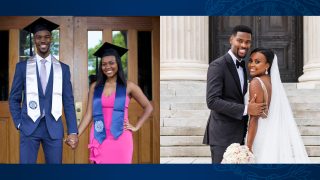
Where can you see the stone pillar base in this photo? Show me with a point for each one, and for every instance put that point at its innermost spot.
(311, 73)
(183, 71)
(309, 85)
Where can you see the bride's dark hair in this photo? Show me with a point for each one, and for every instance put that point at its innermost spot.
(268, 53)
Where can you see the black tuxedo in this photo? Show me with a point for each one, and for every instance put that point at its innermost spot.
(225, 99)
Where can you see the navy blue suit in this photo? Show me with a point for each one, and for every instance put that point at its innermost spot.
(46, 129)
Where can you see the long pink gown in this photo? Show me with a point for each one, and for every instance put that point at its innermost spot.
(111, 151)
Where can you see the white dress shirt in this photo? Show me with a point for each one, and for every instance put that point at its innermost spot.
(48, 64)
(241, 77)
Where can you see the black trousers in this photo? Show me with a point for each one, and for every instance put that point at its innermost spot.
(217, 153)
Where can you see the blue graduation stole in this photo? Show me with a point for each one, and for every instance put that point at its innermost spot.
(117, 114)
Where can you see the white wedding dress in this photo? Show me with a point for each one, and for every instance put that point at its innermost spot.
(278, 139)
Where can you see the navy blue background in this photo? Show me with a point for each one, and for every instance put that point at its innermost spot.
(156, 8)
(163, 172)
(159, 7)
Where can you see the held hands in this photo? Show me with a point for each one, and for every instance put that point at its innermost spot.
(255, 109)
(72, 140)
(128, 126)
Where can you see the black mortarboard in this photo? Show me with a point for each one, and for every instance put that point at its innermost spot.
(105, 50)
(106, 46)
(39, 25)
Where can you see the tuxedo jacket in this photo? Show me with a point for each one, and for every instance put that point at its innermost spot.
(225, 99)
(18, 105)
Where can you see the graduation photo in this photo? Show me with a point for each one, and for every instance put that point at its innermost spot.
(79, 90)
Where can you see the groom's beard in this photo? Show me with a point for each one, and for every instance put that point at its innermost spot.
(241, 53)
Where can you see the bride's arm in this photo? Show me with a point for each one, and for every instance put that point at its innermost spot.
(255, 90)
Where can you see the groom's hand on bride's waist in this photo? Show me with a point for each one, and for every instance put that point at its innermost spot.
(256, 109)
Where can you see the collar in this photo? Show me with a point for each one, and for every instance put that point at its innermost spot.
(48, 58)
(234, 58)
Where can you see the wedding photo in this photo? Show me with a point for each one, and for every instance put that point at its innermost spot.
(79, 90)
(239, 89)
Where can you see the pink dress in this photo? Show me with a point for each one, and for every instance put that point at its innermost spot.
(111, 151)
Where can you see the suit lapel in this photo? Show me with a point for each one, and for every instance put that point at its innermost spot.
(233, 70)
(50, 80)
(245, 87)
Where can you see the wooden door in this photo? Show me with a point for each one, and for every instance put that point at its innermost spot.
(9, 136)
(281, 33)
(147, 139)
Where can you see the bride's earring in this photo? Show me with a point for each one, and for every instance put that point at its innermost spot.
(266, 71)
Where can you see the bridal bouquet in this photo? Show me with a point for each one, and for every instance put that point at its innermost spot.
(237, 154)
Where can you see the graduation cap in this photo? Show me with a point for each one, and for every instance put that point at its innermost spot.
(104, 50)
(39, 25)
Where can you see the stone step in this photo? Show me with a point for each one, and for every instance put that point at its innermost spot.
(184, 122)
(202, 121)
(181, 140)
(189, 106)
(203, 106)
(185, 160)
(311, 140)
(300, 86)
(182, 131)
(309, 130)
(307, 122)
(313, 150)
(306, 114)
(199, 130)
(182, 99)
(202, 99)
(315, 160)
(185, 88)
(204, 151)
(196, 88)
(305, 106)
(190, 114)
(185, 151)
(302, 92)
(204, 160)
(197, 140)
(172, 84)
(165, 91)
(290, 86)
(304, 99)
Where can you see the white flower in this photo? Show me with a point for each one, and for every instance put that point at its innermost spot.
(237, 154)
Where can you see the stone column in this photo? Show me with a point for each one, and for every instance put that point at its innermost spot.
(183, 73)
(184, 47)
(311, 50)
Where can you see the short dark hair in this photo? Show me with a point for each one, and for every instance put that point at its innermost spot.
(241, 28)
(268, 53)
